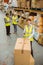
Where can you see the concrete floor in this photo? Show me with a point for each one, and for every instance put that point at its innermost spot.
(7, 45)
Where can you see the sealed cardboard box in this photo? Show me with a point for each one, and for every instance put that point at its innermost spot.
(40, 21)
(40, 29)
(23, 4)
(32, 61)
(22, 0)
(40, 39)
(28, 4)
(22, 52)
(19, 3)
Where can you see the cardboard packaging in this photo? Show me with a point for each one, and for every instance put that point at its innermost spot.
(23, 4)
(22, 0)
(40, 21)
(19, 3)
(28, 4)
(32, 61)
(40, 25)
(40, 29)
(22, 52)
(6, 1)
(40, 40)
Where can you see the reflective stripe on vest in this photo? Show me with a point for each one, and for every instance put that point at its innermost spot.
(7, 23)
(14, 20)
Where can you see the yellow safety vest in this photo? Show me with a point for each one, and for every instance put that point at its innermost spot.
(28, 32)
(14, 20)
(7, 23)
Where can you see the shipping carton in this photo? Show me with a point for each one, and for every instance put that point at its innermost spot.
(32, 61)
(22, 52)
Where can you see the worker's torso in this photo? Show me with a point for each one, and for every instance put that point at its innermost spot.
(14, 20)
(28, 32)
(7, 22)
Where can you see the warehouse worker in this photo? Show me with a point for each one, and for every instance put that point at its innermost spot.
(29, 32)
(7, 24)
(15, 22)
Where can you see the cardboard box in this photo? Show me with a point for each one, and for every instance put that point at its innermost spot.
(19, 3)
(22, 52)
(40, 40)
(32, 61)
(40, 21)
(23, 4)
(22, 0)
(40, 29)
(28, 4)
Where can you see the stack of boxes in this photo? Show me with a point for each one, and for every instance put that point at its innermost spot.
(22, 52)
(40, 25)
(18, 3)
(23, 3)
(28, 4)
(40, 30)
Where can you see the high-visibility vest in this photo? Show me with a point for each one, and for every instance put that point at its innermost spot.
(28, 32)
(14, 20)
(7, 23)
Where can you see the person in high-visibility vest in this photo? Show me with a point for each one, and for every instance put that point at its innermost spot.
(15, 22)
(7, 24)
(29, 32)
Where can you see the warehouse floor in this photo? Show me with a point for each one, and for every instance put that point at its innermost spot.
(7, 45)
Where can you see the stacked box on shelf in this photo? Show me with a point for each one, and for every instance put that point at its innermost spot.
(23, 3)
(40, 25)
(40, 40)
(22, 52)
(32, 61)
(40, 31)
(19, 3)
(28, 4)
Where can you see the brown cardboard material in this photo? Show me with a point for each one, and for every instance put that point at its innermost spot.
(23, 4)
(19, 3)
(40, 40)
(32, 61)
(22, 52)
(28, 3)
